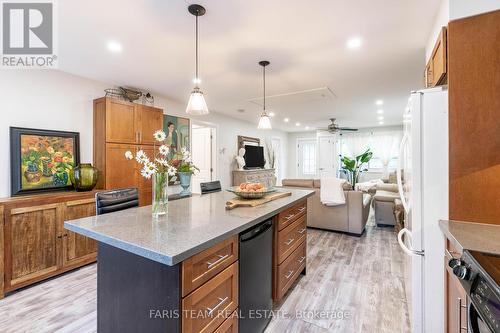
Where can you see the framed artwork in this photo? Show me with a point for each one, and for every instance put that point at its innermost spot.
(41, 160)
(178, 136)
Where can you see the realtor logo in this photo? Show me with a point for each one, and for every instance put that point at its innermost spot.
(28, 34)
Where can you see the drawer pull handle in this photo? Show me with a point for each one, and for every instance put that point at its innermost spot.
(221, 258)
(301, 260)
(302, 231)
(290, 273)
(211, 310)
(289, 216)
(290, 241)
(301, 209)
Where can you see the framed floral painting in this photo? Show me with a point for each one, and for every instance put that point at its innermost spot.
(41, 160)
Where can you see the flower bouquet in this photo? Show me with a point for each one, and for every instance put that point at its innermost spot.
(159, 169)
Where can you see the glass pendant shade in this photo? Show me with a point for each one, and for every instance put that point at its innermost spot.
(264, 121)
(197, 104)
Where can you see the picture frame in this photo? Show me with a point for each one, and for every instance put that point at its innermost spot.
(178, 131)
(41, 160)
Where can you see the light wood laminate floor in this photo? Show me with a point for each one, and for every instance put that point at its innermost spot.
(361, 278)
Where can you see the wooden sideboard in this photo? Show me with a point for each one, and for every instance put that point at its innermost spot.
(33, 242)
(265, 176)
(120, 126)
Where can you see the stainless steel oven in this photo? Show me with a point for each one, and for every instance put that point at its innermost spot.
(479, 273)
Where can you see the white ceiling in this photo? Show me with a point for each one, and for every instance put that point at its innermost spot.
(305, 41)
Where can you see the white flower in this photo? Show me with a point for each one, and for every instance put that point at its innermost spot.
(129, 155)
(159, 136)
(145, 173)
(162, 161)
(141, 157)
(163, 150)
(171, 171)
(183, 150)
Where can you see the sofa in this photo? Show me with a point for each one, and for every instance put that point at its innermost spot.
(350, 217)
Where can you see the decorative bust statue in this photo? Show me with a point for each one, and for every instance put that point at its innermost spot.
(239, 159)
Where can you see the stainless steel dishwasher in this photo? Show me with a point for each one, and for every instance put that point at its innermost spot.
(255, 289)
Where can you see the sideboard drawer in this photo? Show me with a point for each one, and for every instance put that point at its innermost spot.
(290, 237)
(203, 266)
(289, 215)
(208, 306)
(290, 269)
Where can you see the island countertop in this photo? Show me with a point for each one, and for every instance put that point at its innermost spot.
(192, 225)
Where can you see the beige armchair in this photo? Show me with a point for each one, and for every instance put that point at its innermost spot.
(350, 217)
(383, 204)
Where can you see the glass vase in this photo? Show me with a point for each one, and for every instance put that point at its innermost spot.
(160, 194)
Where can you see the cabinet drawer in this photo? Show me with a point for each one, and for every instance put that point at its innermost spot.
(287, 217)
(290, 269)
(230, 325)
(290, 237)
(208, 306)
(203, 266)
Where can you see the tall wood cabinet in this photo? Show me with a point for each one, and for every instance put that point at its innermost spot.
(120, 126)
(33, 242)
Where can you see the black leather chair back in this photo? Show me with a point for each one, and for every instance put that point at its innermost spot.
(210, 187)
(112, 201)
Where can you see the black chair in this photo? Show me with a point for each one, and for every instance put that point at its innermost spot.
(112, 201)
(210, 187)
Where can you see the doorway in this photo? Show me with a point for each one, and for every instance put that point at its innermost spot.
(306, 158)
(203, 147)
(278, 166)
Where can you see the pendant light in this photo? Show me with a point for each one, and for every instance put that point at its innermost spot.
(265, 120)
(196, 104)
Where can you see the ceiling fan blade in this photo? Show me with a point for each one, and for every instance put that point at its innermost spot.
(347, 129)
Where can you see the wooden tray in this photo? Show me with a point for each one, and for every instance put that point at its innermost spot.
(238, 202)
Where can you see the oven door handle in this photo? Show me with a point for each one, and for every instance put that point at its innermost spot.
(472, 318)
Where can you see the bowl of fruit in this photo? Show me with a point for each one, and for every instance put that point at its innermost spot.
(251, 190)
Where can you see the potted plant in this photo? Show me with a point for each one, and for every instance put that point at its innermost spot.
(185, 169)
(353, 167)
(159, 169)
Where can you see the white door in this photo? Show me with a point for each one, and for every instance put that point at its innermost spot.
(327, 156)
(278, 170)
(202, 156)
(306, 158)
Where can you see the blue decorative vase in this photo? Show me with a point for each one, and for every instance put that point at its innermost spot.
(185, 179)
(60, 179)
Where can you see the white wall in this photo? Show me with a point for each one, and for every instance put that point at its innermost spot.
(464, 8)
(49, 99)
(441, 20)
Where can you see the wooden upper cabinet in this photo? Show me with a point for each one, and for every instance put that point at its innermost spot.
(121, 121)
(32, 244)
(150, 120)
(437, 66)
(78, 248)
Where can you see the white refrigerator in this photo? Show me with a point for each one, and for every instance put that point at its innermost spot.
(423, 187)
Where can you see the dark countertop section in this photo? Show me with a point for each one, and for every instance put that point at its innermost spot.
(472, 236)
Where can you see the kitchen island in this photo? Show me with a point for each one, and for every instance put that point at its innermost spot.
(180, 272)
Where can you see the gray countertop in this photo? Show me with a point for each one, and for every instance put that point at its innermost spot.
(192, 225)
(472, 236)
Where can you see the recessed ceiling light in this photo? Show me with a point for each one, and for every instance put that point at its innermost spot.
(380, 118)
(271, 114)
(379, 102)
(286, 120)
(114, 46)
(307, 127)
(297, 124)
(380, 111)
(354, 43)
(380, 122)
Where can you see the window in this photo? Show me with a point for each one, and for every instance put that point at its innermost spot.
(377, 164)
(307, 158)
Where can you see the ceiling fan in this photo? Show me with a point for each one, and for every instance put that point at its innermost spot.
(334, 127)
